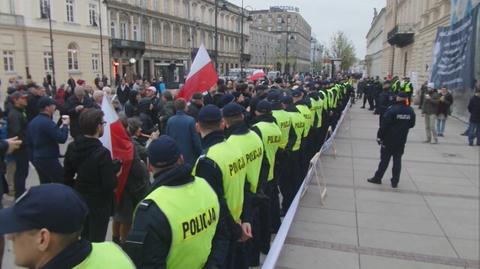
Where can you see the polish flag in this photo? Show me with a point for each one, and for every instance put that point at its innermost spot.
(202, 75)
(257, 74)
(116, 139)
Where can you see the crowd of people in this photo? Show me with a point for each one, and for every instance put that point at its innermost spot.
(211, 175)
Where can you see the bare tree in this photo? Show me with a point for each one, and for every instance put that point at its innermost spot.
(342, 48)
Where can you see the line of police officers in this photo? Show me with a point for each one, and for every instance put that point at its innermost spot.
(218, 214)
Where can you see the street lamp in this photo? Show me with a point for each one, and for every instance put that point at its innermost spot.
(286, 45)
(51, 45)
(224, 7)
(242, 45)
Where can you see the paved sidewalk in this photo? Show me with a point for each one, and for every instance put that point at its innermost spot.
(430, 221)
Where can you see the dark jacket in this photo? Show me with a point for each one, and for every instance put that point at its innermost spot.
(89, 168)
(181, 128)
(394, 126)
(17, 126)
(474, 109)
(150, 239)
(384, 101)
(193, 110)
(123, 93)
(32, 106)
(70, 105)
(430, 105)
(444, 104)
(138, 179)
(44, 137)
(71, 256)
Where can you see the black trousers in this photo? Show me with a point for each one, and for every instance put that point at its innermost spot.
(21, 171)
(272, 188)
(96, 224)
(49, 170)
(289, 178)
(385, 155)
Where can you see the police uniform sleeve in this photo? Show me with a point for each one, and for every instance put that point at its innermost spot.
(412, 118)
(149, 241)
(385, 123)
(292, 137)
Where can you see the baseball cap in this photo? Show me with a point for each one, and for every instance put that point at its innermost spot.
(45, 101)
(55, 207)
(209, 113)
(264, 107)
(163, 151)
(232, 109)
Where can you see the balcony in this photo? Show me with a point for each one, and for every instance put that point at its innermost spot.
(123, 44)
(401, 35)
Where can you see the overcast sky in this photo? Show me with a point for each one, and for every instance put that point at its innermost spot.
(329, 16)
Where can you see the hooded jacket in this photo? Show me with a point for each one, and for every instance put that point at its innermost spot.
(90, 170)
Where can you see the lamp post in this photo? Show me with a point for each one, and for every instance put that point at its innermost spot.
(242, 42)
(51, 45)
(101, 35)
(224, 7)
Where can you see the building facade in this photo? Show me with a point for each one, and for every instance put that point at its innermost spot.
(26, 45)
(375, 38)
(263, 48)
(158, 38)
(411, 27)
(294, 37)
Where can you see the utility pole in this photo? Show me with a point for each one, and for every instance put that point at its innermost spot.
(241, 42)
(101, 35)
(286, 50)
(54, 84)
(265, 58)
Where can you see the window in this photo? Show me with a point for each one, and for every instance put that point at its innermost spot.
(92, 10)
(95, 61)
(8, 56)
(123, 30)
(144, 32)
(269, 20)
(70, 8)
(269, 28)
(47, 61)
(186, 9)
(166, 6)
(176, 8)
(156, 29)
(44, 8)
(279, 19)
(135, 32)
(112, 29)
(72, 57)
(155, 5)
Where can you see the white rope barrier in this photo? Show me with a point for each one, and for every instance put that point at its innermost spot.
(314, 169)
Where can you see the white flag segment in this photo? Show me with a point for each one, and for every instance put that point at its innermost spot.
(201, 60)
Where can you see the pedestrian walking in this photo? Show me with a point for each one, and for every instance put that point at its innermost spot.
(90, 170)
(474, 121)
(174, 225)
(181, 127)
(17, 127)
(44, 137)
(444, 105)
(45, 226)
(392, 137)
(429, 112)
(74, 106)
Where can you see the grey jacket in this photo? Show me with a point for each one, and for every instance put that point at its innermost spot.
(430, 106)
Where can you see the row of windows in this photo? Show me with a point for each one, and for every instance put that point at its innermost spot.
(70, 11)
(72, 60)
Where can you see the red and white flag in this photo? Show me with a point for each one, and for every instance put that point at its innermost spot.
(257, 74)
(202, 75)
(116, 139)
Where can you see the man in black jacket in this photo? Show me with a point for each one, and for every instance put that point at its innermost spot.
(17, 127)
(384, 100)
(392, 136)
(123, 91)
(90, 170)
(74, 105)
(36, 92)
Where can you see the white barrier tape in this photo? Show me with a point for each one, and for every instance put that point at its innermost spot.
(279, 241)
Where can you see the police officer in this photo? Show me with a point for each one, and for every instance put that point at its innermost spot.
(407, 88)
(392, 136)
(251, 146)
(384, 100)
(293, 177)
(317, 110)
(302, 106)
(223, 166)
(174, 225)
(44, 226)
(288, 137)
(267, 129)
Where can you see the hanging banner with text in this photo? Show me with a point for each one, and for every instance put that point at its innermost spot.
(454, 53)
